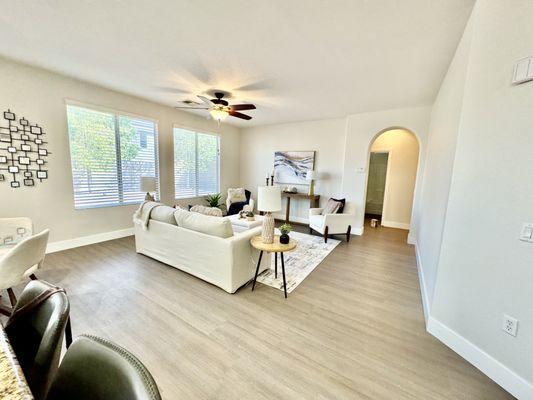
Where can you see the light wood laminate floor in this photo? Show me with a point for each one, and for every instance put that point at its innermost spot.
(354, 329)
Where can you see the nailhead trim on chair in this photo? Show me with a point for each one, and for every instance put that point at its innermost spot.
(139, 367)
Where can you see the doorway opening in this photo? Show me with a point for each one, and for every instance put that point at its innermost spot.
(392, 170)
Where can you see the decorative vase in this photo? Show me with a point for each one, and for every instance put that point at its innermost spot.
(267, 234)
(284, 239)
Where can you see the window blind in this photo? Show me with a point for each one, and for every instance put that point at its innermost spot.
(108, 157)
(196, 163)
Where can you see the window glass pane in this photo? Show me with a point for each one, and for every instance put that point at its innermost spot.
(93, 157)
(136, 160)
(207, 164)
(184, 163)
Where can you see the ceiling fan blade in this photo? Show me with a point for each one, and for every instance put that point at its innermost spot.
(239, 115)
(205, 100)
(239, 107)
(193, 108)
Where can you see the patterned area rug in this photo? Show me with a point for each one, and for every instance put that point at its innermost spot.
(300, 262)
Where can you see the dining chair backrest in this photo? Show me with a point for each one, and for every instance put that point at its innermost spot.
(13, 230)
(94, 368)
(35, 331)
(17, 261)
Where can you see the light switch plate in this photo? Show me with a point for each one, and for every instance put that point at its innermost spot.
(526, 234)
(523, 70)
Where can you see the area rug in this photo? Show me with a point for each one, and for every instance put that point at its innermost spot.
(300, 262)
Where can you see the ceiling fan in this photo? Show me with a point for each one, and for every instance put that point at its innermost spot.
(219, 108)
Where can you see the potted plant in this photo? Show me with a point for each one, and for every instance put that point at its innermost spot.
(250, 216)
(213, 200)
(284, 229)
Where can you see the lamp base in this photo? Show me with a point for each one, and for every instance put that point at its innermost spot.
(267, 234)
(149, 197)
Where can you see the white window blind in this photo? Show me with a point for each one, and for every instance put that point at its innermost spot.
(110, 152)
(196, 163)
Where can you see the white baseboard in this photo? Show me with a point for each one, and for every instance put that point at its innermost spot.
(495, 370)
(394, 224)
(423, 288)
(86, 240)
(411, 238)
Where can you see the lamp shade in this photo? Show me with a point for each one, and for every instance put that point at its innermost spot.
(269, 198)
(311, 175)
(148, 184)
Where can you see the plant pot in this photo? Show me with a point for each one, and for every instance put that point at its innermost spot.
(284, 239)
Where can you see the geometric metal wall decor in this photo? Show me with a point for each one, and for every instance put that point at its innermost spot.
(22, 151)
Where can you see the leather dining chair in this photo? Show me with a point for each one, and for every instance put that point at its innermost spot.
(96, 369)
(35, 331)
(20, 262)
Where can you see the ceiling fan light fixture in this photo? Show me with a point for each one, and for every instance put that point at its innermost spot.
(218, 114)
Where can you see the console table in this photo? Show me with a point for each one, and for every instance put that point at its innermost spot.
(313, 201)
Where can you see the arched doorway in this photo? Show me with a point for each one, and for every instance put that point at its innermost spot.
(391, 179)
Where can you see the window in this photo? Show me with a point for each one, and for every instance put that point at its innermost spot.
(107, 157)
(196, 163)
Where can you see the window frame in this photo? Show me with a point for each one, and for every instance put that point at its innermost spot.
(218, 176)
(117, 114)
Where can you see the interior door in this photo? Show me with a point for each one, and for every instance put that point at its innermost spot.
(377, 177)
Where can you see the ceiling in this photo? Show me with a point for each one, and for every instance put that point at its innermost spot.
(296, 60)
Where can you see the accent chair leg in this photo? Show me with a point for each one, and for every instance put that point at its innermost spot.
(310, 230)
(348, 233)
(326, 235)
(12, 297)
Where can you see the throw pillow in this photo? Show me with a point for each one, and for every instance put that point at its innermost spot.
(343, 203)
(331, 207)
(236, 195)
(213, 211)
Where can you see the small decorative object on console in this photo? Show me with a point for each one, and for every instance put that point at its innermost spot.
(285, 230)
(290, 189)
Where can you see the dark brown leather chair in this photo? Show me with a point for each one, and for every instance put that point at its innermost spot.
(96, 369)
(36, 335)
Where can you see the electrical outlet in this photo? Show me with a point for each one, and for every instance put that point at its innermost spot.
(510, 325)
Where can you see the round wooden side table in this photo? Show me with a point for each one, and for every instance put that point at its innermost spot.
(275, 248)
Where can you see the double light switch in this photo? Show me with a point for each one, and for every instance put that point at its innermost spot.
(527, 232)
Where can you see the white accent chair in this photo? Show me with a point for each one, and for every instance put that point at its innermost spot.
(20, 263)
(332, 224)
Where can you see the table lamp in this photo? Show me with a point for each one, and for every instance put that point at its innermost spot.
(268, 201)
(148, 185)
(311, 176)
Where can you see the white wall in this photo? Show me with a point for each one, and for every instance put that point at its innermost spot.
(326, 137)
(361, 130)
(484, 271)
(40, 95)
(443, 131)
(403, 150)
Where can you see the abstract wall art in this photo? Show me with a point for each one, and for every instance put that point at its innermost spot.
(292, 166)
(22, 152)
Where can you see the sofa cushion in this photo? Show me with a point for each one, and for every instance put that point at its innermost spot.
(163, 213)
(214, 226)
(213, 211)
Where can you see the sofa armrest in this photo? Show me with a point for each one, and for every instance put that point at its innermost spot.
(315, 211)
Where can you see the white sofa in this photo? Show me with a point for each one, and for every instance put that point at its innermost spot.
(332, 224)
(227, 262)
